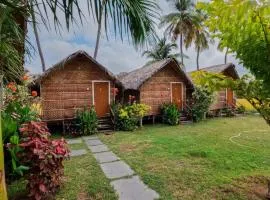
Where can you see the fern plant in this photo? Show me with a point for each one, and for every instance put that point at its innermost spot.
(87, 121)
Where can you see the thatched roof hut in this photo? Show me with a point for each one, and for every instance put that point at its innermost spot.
(73, 83)
(157, 83)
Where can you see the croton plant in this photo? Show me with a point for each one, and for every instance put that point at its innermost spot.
(45, 159)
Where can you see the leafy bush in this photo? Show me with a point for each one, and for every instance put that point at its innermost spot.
(228, 111)
(17, 109)
(87, 121)
(240, 109)
(127, 117)
(200, 103)
(170, 114)
(44, 157)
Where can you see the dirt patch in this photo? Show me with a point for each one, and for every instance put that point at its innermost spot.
(82, 196)
(252, 188)
(132, 147)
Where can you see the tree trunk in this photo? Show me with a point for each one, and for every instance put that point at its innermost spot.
(181, 51)
(3, 191)
(99, 29)
(198, 54)
(37, 39)
(226, 54)
(141, 122)
(268, 193)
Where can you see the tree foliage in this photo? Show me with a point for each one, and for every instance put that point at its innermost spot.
(161, 50)
(243, 27)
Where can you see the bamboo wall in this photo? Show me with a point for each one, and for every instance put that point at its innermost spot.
(157, 90)
(67, 89)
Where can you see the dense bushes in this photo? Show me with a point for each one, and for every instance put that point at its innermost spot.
(17, 109)
(28, 150)
(127, 117)
(200, 103)
(44, 157)
(170, 114)
(87, 121)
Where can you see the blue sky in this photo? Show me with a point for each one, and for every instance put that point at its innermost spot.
(116, 55)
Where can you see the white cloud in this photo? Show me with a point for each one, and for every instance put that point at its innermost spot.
(116, 55)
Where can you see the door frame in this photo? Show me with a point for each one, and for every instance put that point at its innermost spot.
(182, 87)
(93, 90)
(226, 93)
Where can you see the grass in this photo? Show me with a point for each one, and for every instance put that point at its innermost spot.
(208, 160)
(83, 180)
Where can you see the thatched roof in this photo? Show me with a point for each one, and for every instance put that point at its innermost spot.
(134, 79)
(71, 57)
(222, 68)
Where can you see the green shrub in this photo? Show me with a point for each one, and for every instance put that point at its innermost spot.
(200, 103)
(240, 109)
(128, 117)
(170, 114)
(87, 121)
(228, 111)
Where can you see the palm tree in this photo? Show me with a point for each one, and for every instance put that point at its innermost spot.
(220, 48)
(34, 22)
(181, 23)
(201, 43)
(133, 17)
(202, 36)
(161, 50)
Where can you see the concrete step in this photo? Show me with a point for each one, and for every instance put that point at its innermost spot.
(186, 122)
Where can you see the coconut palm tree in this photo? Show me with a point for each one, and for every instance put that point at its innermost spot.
(34, 22)
(161, 50)
(201, 42)
(220, 48)
(181, 23)
(133, 17)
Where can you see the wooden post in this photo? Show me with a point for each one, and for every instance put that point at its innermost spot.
(3, 191)
(154, 119)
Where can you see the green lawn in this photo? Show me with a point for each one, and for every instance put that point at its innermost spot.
(200, 161)
(84, 180)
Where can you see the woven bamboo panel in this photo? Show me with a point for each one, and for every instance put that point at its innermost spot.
(52, 114)
(70, 88)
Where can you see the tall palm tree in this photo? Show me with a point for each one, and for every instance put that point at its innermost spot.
(221, 48)
(161, 50)
(136, 18)
(181, 23)
(201, 43)
(34, 22)
(202, 36)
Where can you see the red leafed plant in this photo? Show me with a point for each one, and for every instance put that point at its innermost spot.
(44, 157)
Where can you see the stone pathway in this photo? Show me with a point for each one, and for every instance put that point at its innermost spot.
(127, 185)
(77, 152)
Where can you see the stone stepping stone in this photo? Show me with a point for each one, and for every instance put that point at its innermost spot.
(98, 148)
(93, 142)
(116, 169)
(78, 152)
(133, 189)
(90, 137)
(106, 157)
(74, 141)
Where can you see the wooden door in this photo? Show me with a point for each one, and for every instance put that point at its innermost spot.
(230, 101)
(177, 95)
(101, 98)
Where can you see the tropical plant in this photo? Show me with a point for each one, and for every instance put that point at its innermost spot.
(128, 116)
(170, 114)
(200, 103)
(133, 17)
(202, 36)
(253, 91)
(161, 50)
(44, 157)
(243, 28)
(87, 121)
(182, 23)
(10, 55)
